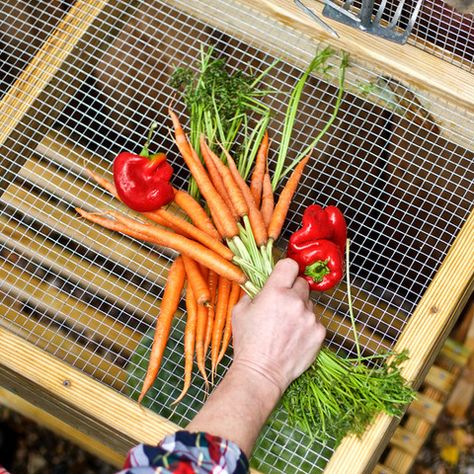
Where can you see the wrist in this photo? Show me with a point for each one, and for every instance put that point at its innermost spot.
(268, 387)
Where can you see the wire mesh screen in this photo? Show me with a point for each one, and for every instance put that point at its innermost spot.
(402, 177)
(450, 28)
(24, 28)
(444, 29)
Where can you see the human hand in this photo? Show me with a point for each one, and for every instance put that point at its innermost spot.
(277, 334)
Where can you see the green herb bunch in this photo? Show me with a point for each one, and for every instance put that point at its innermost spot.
(221, 104)
(339, 396)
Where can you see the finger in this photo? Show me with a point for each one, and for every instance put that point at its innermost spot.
(284, 274)
(243, 303)
(301, 287)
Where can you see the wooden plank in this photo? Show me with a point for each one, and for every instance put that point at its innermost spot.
(407, 441)
(440, 379)
(66, 186)
(433, 318)
(455, 353)
(369, 307)
(340, 328)
(380, 469)
(82, 393)
(49, 340)
(463, 393)
(425, 408)
(120, 249)
(399, 461)
(64, 308)
(46, 63)
(36, 247)
(62, 429)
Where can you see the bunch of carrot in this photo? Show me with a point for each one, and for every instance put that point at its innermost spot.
(226, 246)
(225, 249)
(221, 256)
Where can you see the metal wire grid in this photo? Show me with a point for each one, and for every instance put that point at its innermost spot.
(25, 25)
(439, 29)
(368, 149)
(451, 31)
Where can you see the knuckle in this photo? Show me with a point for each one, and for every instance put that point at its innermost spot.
(286, 263)
(320, 332)
(299, 306)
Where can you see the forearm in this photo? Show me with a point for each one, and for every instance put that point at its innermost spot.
(238, 407)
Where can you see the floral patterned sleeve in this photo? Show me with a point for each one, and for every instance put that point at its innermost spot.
(187, 453)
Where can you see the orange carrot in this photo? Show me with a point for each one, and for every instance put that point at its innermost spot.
(235, 194)
(195, 212)
(202, 317)
(284, 201)
(105, 183)
(223, 290)
(268, 202)
(162, 237)
(189, 230)
(157, 218)
(197, 281)
(212, 283)
(189, 341)
(256, 182)
(221, 214)
(215, 176)
(169, 305)
(255, 216)
(201, 328)
(233, 299)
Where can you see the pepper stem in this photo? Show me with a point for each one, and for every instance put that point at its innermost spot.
(145, 151)
(349, 301)
(317, 270)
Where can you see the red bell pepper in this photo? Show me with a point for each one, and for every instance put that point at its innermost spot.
(142, 181)
(319, 246)
(319, 223)
(320, 263)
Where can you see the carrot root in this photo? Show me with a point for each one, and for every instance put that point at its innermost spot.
(196, 281)
(284, 201)
(195, 212)
(222, 215)
(169, 305)
(162, 237)
(223, 291)
(189, 341)
(256, 182)
(234, 297)
(259, 229)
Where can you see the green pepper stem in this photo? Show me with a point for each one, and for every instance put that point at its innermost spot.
(349, 301)
(317, 270)
(145, 151)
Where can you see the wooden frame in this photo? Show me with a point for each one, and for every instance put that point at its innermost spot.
(408, 63)
(59, 389)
